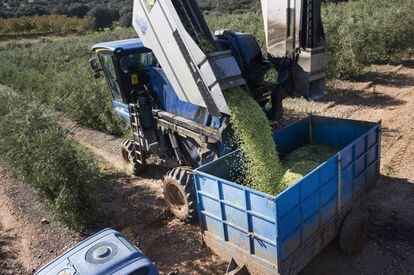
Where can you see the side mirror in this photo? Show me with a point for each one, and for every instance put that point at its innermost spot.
(93, 63)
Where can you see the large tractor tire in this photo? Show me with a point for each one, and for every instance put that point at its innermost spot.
(353, 232)
(130, 158)
(180, 195)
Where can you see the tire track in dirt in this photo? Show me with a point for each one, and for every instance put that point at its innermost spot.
(9, 219)
(108, 148)
(35, 236)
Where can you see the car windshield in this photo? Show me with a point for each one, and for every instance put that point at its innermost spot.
(133, 63)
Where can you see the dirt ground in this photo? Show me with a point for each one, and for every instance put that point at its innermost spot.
(30, 236)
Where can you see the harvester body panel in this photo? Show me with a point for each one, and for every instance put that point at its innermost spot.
(197, 77)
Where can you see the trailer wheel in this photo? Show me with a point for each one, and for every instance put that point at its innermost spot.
(354, 231)
(179, 193)
(130, 158)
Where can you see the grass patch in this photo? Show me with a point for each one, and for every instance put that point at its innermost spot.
(36, 149)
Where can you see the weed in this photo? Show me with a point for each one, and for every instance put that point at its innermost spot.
(388, 170)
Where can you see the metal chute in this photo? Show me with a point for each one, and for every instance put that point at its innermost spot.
(294, 31)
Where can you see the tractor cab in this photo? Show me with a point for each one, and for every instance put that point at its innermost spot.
(125, 65)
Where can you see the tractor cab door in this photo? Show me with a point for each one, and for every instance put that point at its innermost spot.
(135, 81)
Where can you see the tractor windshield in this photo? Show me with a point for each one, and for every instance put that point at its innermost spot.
(133, 63)
(109, 69)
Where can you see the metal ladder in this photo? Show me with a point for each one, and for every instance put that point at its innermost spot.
(139, 140)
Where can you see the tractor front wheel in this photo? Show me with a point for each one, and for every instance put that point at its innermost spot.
(179, 193)
(133, 165)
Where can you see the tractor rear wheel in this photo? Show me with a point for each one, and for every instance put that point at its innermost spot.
(353, 232)
(179, 193)
(130, 158)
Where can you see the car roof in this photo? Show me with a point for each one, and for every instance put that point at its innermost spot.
(127, 45)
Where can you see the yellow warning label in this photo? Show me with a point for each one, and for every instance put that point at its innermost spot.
(134, 79)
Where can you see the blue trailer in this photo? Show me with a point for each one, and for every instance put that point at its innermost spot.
(281, 234)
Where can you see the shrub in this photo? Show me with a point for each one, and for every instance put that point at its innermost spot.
(125, 17)
(249, 22)
(56, 73)
(359, 35)
(100, 18)
(37, 150)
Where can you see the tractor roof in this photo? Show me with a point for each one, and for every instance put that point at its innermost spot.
(128, 45)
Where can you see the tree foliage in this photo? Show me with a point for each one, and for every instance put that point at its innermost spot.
(125, 19)
(56, 73)
(79, 8)
(46, 24)
(100, 18)
(359, 35)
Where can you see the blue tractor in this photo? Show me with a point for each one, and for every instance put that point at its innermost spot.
(187, 126)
